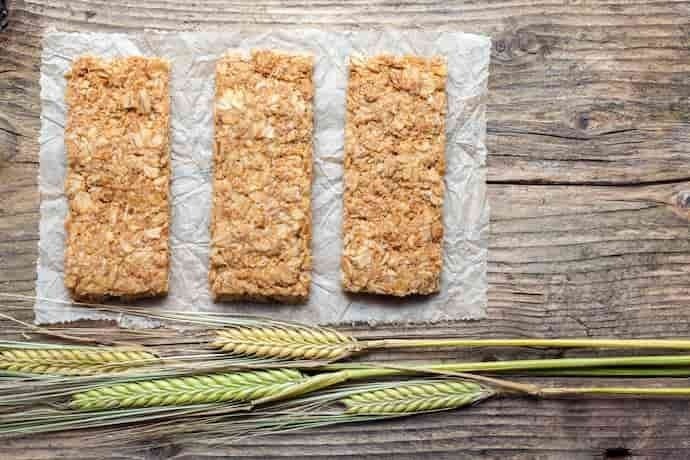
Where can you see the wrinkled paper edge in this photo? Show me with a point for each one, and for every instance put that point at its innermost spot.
(193, 56)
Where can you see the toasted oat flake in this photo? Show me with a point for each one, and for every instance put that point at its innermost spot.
(118, 173)
(394, 166)
(261, 219)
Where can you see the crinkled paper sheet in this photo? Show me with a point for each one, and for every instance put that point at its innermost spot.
(193, 56)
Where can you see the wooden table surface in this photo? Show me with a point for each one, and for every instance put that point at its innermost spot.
(589, 186)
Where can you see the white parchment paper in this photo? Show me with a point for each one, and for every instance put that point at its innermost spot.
(193, 56)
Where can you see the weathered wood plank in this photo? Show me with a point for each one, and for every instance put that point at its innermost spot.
(589, 140)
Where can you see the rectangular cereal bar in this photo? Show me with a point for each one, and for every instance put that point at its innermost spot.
(118, 173)
(394, 166)
(261, 219)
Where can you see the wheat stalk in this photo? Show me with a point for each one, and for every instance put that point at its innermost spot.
(285, 342)
(418, 397)
(72, 361)
(179, 391)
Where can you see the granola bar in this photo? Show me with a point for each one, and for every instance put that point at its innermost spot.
(261, 219)
(394, 166)
(118, 173)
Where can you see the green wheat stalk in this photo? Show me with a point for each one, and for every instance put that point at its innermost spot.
(180, 391)
(416, 398)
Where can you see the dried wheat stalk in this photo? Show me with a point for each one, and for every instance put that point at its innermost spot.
(300, 342)
(72, 361)
(285, 342)
(179, 391)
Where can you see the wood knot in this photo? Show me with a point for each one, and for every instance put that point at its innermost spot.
(163, 451)
(518, 44)
(4, 14)
(617, 452)
(527, 42)
(583, 121)
(683, 199)
(500, 45)
(680, 204)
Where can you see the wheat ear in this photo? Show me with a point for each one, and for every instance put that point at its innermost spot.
(179, 391)
(416, 397)
(72, 361)
(285, 342)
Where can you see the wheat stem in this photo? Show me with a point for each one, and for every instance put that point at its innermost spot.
(614, 391)
(291, 341)
(346, 373)
(72, 361)
(637, 344)
(201, 389)
(381, 370)
(611, 372)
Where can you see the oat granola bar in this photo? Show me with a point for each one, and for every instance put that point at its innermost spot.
(261, 219)
(394, 166)
(118, 173)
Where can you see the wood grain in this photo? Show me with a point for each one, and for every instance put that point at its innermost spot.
(589, 141)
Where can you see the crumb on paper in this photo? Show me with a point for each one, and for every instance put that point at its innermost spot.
(261, 218)
(118, 174)
(394, 167)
